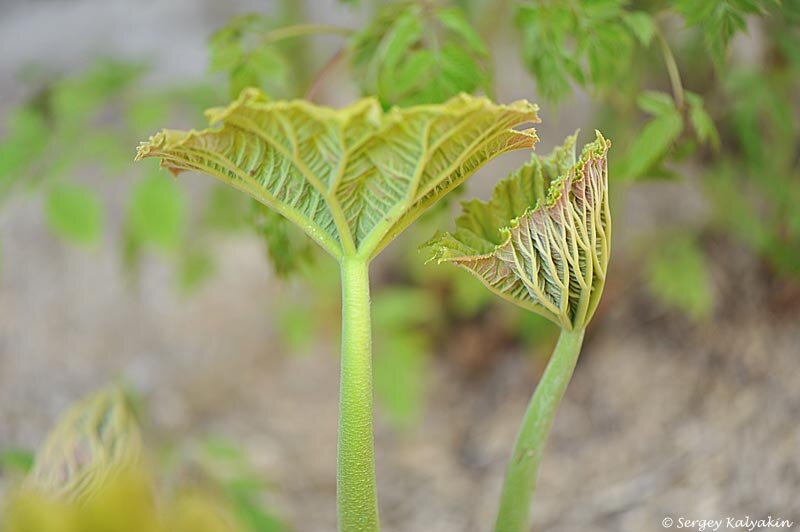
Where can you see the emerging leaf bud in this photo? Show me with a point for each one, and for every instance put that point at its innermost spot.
(543, 240)
(94, 442)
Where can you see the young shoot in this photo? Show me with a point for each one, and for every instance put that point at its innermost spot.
(541, 242)
(352, 179)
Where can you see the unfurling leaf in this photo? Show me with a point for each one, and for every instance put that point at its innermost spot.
(352, 178)
(96, 440)
(543, 240)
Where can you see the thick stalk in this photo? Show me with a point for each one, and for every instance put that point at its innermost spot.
(356, 492)
(523, 467)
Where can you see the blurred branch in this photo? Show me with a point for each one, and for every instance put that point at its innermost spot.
(323, 74)
(672, 69)
(303, 30)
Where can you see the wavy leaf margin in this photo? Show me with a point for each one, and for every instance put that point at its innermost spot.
(351, 178)
(552, 257)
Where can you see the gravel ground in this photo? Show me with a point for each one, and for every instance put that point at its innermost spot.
(662, 419)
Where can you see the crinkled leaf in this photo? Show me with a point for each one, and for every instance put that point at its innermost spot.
(413, 54)
(95, 440)
(353, 178)
(543, 240)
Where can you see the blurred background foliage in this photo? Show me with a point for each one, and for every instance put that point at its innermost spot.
(668, 83)
(660, 72)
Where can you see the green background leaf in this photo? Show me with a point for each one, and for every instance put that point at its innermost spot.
(156, 213)
(75, 213)
(677, 274)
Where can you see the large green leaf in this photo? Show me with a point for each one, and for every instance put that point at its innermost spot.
(352, 178)
(543, 240)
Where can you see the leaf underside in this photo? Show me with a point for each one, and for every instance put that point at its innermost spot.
(543, 240)
(352, 178)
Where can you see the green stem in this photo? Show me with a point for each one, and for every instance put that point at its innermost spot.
(672, 69)
(523, 467)
(324, 72)
(302, 30)
(356, 492)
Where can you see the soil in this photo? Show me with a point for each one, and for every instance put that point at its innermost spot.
(664, 418)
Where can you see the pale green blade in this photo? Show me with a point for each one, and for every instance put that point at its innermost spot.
(95, 440)
(543, 240)
(351, 178)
